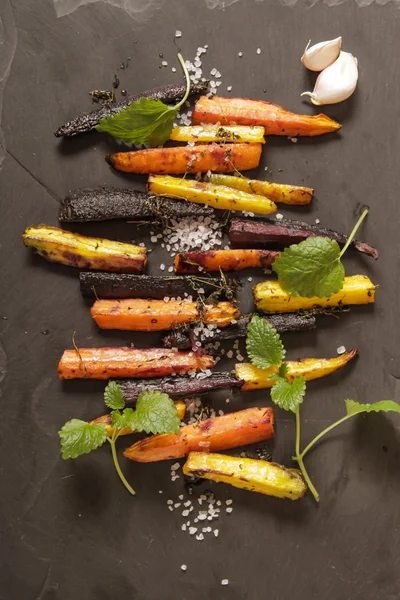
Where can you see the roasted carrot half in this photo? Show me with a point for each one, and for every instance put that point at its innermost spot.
(275, 119)
(250, 474)
(278, 192)
(217, 196)
(271, 298)
(309, 368)
(221, 433)
(121, 362)
(75, 250)
(216, 133)
(137, 314)
(106, 420)
(223, 260)
(221, 158)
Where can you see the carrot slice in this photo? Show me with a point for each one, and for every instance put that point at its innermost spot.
(275, 119)
(230, 431)
(121, 362)
(225, 260)
(137, 314)
(223, 158)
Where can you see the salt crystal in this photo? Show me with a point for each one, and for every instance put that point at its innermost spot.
(258, 50)
(317, 221)
(224, 581)
(164, 63)
(173, 69)
(341, 350)
(278, 216)
(183, 567)
(162, 266)
(216, 532)
(228, 502)
(240, 54)
(192, 530)
(178, 33)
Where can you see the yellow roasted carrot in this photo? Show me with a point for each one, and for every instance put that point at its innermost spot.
(218, 196)
(217, 133)
(278, 192)
(75, 250)
(309, 368)
(271, 298)
(250, 474)
(106, 420)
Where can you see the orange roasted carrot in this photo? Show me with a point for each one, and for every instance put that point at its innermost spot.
(223, 260)
(275, 119)
(136, 314)
(220, 158)
(107, 419)
(221, 433)
(121, 362)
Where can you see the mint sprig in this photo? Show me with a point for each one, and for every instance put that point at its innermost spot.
(155, 413)
(147, 121)
(313, 267)
(263, 344)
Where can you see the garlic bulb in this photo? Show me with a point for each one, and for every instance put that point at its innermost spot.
(337, 82)
(321, 55)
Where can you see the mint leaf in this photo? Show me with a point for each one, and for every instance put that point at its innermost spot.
(119, 420)
(311, 268)
(113, 396)
(289, 395)
(353, 407)
(79, 437)
(263, 344)
(155, 413)
(147, 122)
(283, 370)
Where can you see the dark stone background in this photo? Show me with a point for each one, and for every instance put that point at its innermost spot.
(69, 529)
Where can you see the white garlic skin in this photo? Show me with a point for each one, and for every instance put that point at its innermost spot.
(320, 56)
(337, 82)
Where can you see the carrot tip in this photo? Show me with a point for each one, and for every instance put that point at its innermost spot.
(110, 159)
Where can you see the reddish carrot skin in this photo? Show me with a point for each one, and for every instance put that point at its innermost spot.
(121, 362)
(221, 433)
(275, 119)
(225, 260)
(223, 158)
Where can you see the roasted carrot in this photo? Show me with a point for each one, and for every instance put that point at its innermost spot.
(216, 133)
(223, 260)
(156, 315)
(120, 362)
(186, 159)
(309, 368)
(202, 192)
(275, 119)
(278, 192)
(75, 250)
(221, 433)
(107, 419)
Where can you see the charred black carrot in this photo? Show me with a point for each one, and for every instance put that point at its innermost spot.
(103, 204)
(184, 338)
(125, 285)
(87, 121)
(272, 233)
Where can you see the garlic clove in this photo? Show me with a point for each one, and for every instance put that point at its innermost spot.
(320, 56)
(337, 82)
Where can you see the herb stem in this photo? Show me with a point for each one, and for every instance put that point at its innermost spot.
(299, 459)
(320, 435)
(112, 441)
(353, 233)
(187, 77)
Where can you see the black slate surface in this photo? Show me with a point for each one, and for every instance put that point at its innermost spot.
(69, 529)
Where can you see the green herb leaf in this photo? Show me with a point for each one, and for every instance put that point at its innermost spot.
(148, 122)
(263, 344)
(283, 370)
(113, 397)
(311, 268)
(156, 413)
(79, 437)
(353, 407)
(289, 395)
(119, 420)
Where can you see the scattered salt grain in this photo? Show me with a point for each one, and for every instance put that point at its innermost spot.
(317, 221)
(162, 267)
(240, 54)
(224, 581)
(178, 33)
(192, 530)
(293, 139)
(258, 50)
(164, 63)
(229, 509)
(228, 502)
(173, 69)
(183, 567)
(249, 279)
(216, 532)
(341, 350)
(278, 216)
(229, 88)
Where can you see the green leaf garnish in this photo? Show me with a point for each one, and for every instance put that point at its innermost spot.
(289, 394)
(79, 437)
(113, 397)
(119, 420)
(263, 344)
(354, 408)
(147, 121)
(313, 267)
(156, 413)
